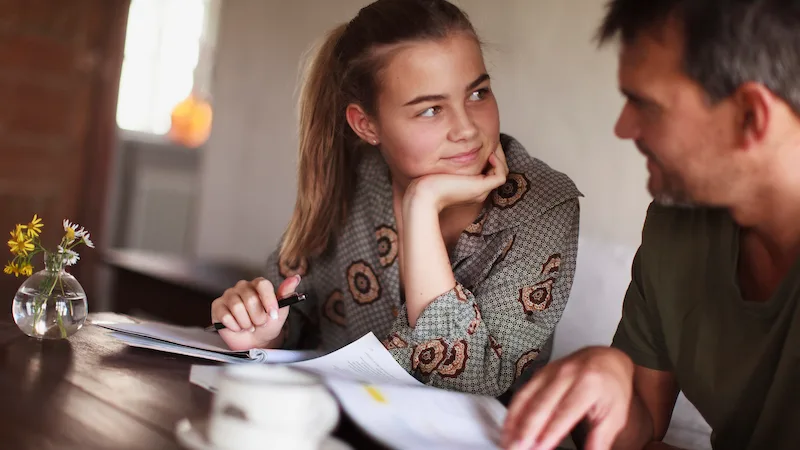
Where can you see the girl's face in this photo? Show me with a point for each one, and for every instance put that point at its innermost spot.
(436, 111)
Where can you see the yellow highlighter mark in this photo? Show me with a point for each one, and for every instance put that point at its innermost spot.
(375, 394)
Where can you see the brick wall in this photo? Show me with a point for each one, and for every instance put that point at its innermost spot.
(59, 71)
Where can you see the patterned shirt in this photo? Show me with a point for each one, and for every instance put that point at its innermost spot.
(513, 266)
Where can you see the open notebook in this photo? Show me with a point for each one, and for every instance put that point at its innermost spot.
(195, 342)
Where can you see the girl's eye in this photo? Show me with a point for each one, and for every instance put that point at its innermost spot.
(478, 95)
(430, 112)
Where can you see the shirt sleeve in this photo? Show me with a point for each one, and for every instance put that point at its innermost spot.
(302, 325)
(481, 341)
(639, 333)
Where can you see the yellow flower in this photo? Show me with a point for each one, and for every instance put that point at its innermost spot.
(11, 269)
(20, 243)
(35, 226)
(26, 270)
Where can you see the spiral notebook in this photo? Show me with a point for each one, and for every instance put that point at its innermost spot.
(196, 342)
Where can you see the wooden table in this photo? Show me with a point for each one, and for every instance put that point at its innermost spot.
(93, 392)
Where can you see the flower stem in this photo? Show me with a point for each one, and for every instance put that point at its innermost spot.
(60, 321)
(47, 287)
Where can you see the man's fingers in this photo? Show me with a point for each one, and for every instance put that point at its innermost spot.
(532, 420)
(602, 436)
(520, 401)
(587, 385)
(572, 409)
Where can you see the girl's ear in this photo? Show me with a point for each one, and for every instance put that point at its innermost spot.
(362, 124)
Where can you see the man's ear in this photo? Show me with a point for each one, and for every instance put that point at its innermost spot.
(756, 104)
(362, 124)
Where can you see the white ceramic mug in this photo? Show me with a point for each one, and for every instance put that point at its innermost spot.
(261, 406)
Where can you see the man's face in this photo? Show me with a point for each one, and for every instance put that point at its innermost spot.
(687, 141)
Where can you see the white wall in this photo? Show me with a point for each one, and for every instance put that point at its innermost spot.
(248, 170)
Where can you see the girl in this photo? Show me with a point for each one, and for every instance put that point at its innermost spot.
(415, 218)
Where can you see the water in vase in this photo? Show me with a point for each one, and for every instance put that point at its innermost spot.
(59, 316)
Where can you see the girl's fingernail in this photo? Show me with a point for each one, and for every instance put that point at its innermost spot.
(297, 277)
(273, 313)
(252, 329)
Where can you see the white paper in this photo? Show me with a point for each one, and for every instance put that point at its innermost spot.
(363, 360)
(205, 376)
(404, 417)
(194, 341)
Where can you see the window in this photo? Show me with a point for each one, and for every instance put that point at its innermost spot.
(168, 52)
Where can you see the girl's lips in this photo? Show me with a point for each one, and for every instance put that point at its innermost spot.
(465, 157)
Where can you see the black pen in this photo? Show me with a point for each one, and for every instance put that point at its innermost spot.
(282, 303)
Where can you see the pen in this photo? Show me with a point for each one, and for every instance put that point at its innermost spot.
(286, 301)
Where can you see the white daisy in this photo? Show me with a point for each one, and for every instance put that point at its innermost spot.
(69, 257)
(88, 241)
(72, 230)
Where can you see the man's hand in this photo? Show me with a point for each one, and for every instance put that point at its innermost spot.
(595, 384)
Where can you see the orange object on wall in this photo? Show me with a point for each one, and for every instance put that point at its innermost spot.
(191, 122)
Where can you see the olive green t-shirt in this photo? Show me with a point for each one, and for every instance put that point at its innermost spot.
(737, 361)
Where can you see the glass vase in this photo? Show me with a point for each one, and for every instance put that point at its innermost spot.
(51, 303)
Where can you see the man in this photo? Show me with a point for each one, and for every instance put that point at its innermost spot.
(713, 309)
